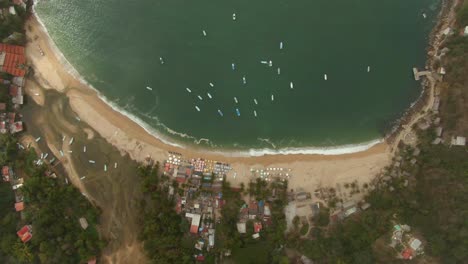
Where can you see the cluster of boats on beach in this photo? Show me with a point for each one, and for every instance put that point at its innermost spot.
(268, 63)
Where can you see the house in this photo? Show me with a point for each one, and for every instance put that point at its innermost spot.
(25, 233)
(19, 206)
(441, 71)
(447, 31)
(407, 254)
(195, 222)
(365, 206)
(16, 93)
(257, 227)
(12, 60)
(253, 209)
(6, 173)
(18, 81)
(349, 208)
(211, 237)
(458, 141)
(83, 223)
(241, 227)
(16, 127)
(438, 131)
(415, 244)
(255, 236)
(2, 106)
(12, 10)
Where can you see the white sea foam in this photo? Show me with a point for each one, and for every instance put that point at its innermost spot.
(333, 150)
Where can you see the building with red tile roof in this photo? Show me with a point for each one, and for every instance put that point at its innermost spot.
(25, 233)
(19, 206)
(12, 60)
(16, 127)
(257, 227)
(6, 173)
(2, 106)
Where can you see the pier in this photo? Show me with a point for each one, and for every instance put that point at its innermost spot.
(419, 74)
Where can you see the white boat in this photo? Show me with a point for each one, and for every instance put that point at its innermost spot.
(291, 85)
(325, 77)
(45, 156)
(255, 113)
(220, 113)
(279, 71)
(161, 60)
(368, 68)
(424, 15)
(61, 153)
(84, 149)
(37, 139)
(199, 97)
(63, 138)
(204, 33)
(264, 62)
(235, 100)
(237, 112)
(198, 108)
(149, 88)
(92, 161)
(188, 90)
(281, 45)
(105, 167)
(115, 165)
(209, 95)
(270, 63)
(82, 178)
(71, 141)
(234, 16)
(211, 84)
(272, 97)
(233, 65)
(77, 118)
(255, 101)
(244, 80)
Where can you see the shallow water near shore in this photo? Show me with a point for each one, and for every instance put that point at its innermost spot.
(116, 46)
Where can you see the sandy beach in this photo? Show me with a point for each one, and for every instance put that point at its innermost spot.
(309, 170)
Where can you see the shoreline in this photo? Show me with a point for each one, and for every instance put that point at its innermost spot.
(74, 84)
(225, 152)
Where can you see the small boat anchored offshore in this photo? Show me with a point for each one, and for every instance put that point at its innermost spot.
(244, 81)
(235, 100)
(255, 113)
(272, 97)
(149, 88)
(211, 84)
(270, 63)
(325, 77)
(234, 16)
(368, 68)
(209, 95)
(220, 113)
(233, 66)
(237, 112)
(255, 101)
(161, 60)
(199, 97)
(204, 33)
(291, 85)
(281, 45)
(198, 108)
(188, 90)
(264, 62)
(279, 71)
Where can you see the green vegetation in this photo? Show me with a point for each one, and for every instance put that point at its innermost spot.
(12, 26)
(162, 228)
(53, 209)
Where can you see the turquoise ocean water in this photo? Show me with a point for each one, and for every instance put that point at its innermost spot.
(116, 46)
